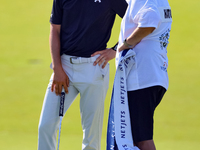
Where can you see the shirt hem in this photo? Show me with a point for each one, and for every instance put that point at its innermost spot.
(148, 85)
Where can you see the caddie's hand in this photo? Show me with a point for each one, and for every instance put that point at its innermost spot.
(122, 47)
(105, 56)
(60, 79)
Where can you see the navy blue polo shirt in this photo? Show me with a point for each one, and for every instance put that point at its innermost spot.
(85, 24)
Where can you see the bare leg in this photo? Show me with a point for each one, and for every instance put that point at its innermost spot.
(146, 145)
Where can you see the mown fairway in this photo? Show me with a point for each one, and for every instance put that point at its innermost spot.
(24, 75)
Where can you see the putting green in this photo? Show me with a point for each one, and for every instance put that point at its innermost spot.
(24, 75)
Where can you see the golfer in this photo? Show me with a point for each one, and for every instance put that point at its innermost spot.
(145, 31)
(79, 29)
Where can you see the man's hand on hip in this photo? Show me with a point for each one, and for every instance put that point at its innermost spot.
(105, 56)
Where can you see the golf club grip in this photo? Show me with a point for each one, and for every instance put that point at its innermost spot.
(62, 100)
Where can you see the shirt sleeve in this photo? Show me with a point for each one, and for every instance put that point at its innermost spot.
(57, 12)
(119, 7)
(147, 18)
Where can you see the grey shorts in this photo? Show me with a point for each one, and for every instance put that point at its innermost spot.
(142, 104)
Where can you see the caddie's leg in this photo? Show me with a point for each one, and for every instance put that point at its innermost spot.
(92, 109)
(146, 145)
(142, 104)
(49, 119)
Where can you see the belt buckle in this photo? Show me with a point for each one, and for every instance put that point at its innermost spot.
(72, 58)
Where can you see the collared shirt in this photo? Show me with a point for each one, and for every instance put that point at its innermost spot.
(85, 24)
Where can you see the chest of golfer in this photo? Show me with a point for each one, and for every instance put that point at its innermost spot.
(85, 25)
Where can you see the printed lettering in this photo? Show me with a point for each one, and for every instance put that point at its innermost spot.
(164, 39)
(123, 136)
(122, 120)
(123, 124)
(122, 112)
(122, 102)
(120, 67)
(167, 13)
(122, 87)
(112, 147)
(163, 68)
(122, 90)
(124, 145)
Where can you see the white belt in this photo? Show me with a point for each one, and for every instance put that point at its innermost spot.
(79, 60)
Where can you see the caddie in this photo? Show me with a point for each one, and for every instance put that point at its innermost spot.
(145, 31)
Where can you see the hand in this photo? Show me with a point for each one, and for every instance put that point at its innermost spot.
(60, 79)
(105, 56)
(122, 47)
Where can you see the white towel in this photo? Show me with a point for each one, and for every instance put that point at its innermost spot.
(119, 135)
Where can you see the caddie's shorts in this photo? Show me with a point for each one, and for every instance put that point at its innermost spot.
(142, 104)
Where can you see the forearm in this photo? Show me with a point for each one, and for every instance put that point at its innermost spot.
(54, 41)
(137, 35)
(60, 78)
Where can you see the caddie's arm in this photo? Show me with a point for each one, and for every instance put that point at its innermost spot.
(60, 79)
(137, 35)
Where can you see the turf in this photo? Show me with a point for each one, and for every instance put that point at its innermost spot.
(24, 75)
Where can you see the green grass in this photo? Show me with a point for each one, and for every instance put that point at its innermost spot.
(24, 75)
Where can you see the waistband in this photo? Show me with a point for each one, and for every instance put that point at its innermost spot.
(79, 60)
